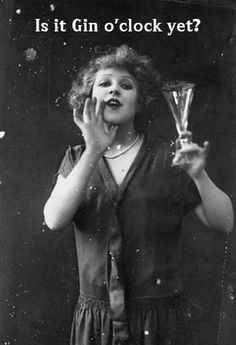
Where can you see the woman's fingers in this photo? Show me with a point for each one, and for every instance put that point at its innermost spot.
(180, 160)
(112, 131)
(88, 106)
(77, 117)
(177, 144)
(188, 154)
(195, 148)
(190, 148)
(100, 111)
(93, 108)
(206, 147)
(186, 134)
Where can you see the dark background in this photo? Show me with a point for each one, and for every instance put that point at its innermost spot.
(38, 268)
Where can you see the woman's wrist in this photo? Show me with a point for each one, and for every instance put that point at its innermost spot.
(93, 154)
(200, 176)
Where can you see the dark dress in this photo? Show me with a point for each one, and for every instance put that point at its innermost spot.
(127, 241)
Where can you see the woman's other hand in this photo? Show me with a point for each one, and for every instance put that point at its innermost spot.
(190, 156)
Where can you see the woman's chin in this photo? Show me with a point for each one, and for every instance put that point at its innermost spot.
(111, 120)
(117, 121)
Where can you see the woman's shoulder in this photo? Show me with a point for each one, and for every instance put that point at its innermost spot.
(71, 157)
(73, 153)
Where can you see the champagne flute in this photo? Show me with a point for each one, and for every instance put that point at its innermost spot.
(179, 95)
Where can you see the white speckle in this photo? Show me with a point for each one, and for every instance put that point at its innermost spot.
(158, 281)
(91, 187)
(30, 54)
(137, 250)
(2, 134)
(18, 11)
(52, 7)
(64, 43)
(118, 147)
(146, 332)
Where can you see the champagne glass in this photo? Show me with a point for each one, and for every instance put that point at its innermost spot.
(179, 95)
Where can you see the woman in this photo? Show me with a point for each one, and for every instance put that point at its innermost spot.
(127, 199)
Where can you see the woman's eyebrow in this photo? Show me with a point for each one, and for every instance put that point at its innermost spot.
(122, 76)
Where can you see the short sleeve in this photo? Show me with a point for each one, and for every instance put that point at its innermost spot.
(189, 193)
(71, 157)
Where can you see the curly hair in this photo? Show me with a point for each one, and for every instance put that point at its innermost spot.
(123, 58)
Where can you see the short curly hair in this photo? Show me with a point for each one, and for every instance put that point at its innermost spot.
(123, 58)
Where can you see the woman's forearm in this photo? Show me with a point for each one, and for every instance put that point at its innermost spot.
(68, 192)
(216, 204)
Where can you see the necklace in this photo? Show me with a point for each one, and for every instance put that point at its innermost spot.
(123, 151)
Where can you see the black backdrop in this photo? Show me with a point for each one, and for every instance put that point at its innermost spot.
(38, 268)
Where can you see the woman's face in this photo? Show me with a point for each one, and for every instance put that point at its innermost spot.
(119, 90)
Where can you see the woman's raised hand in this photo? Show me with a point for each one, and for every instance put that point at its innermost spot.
(191, 157)
(98, 136)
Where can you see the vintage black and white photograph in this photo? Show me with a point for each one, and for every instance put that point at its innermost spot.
(117, 172)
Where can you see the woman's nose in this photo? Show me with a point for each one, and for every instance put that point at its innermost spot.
(114, 90)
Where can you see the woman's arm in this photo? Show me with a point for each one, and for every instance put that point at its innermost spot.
(68, 192)
(216, 208)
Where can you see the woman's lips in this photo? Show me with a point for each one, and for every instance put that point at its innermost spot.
(114, 103)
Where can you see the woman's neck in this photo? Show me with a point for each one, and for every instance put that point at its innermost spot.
(124, 138)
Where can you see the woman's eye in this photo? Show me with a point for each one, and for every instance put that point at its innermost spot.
(104, 83)
(127, 86)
